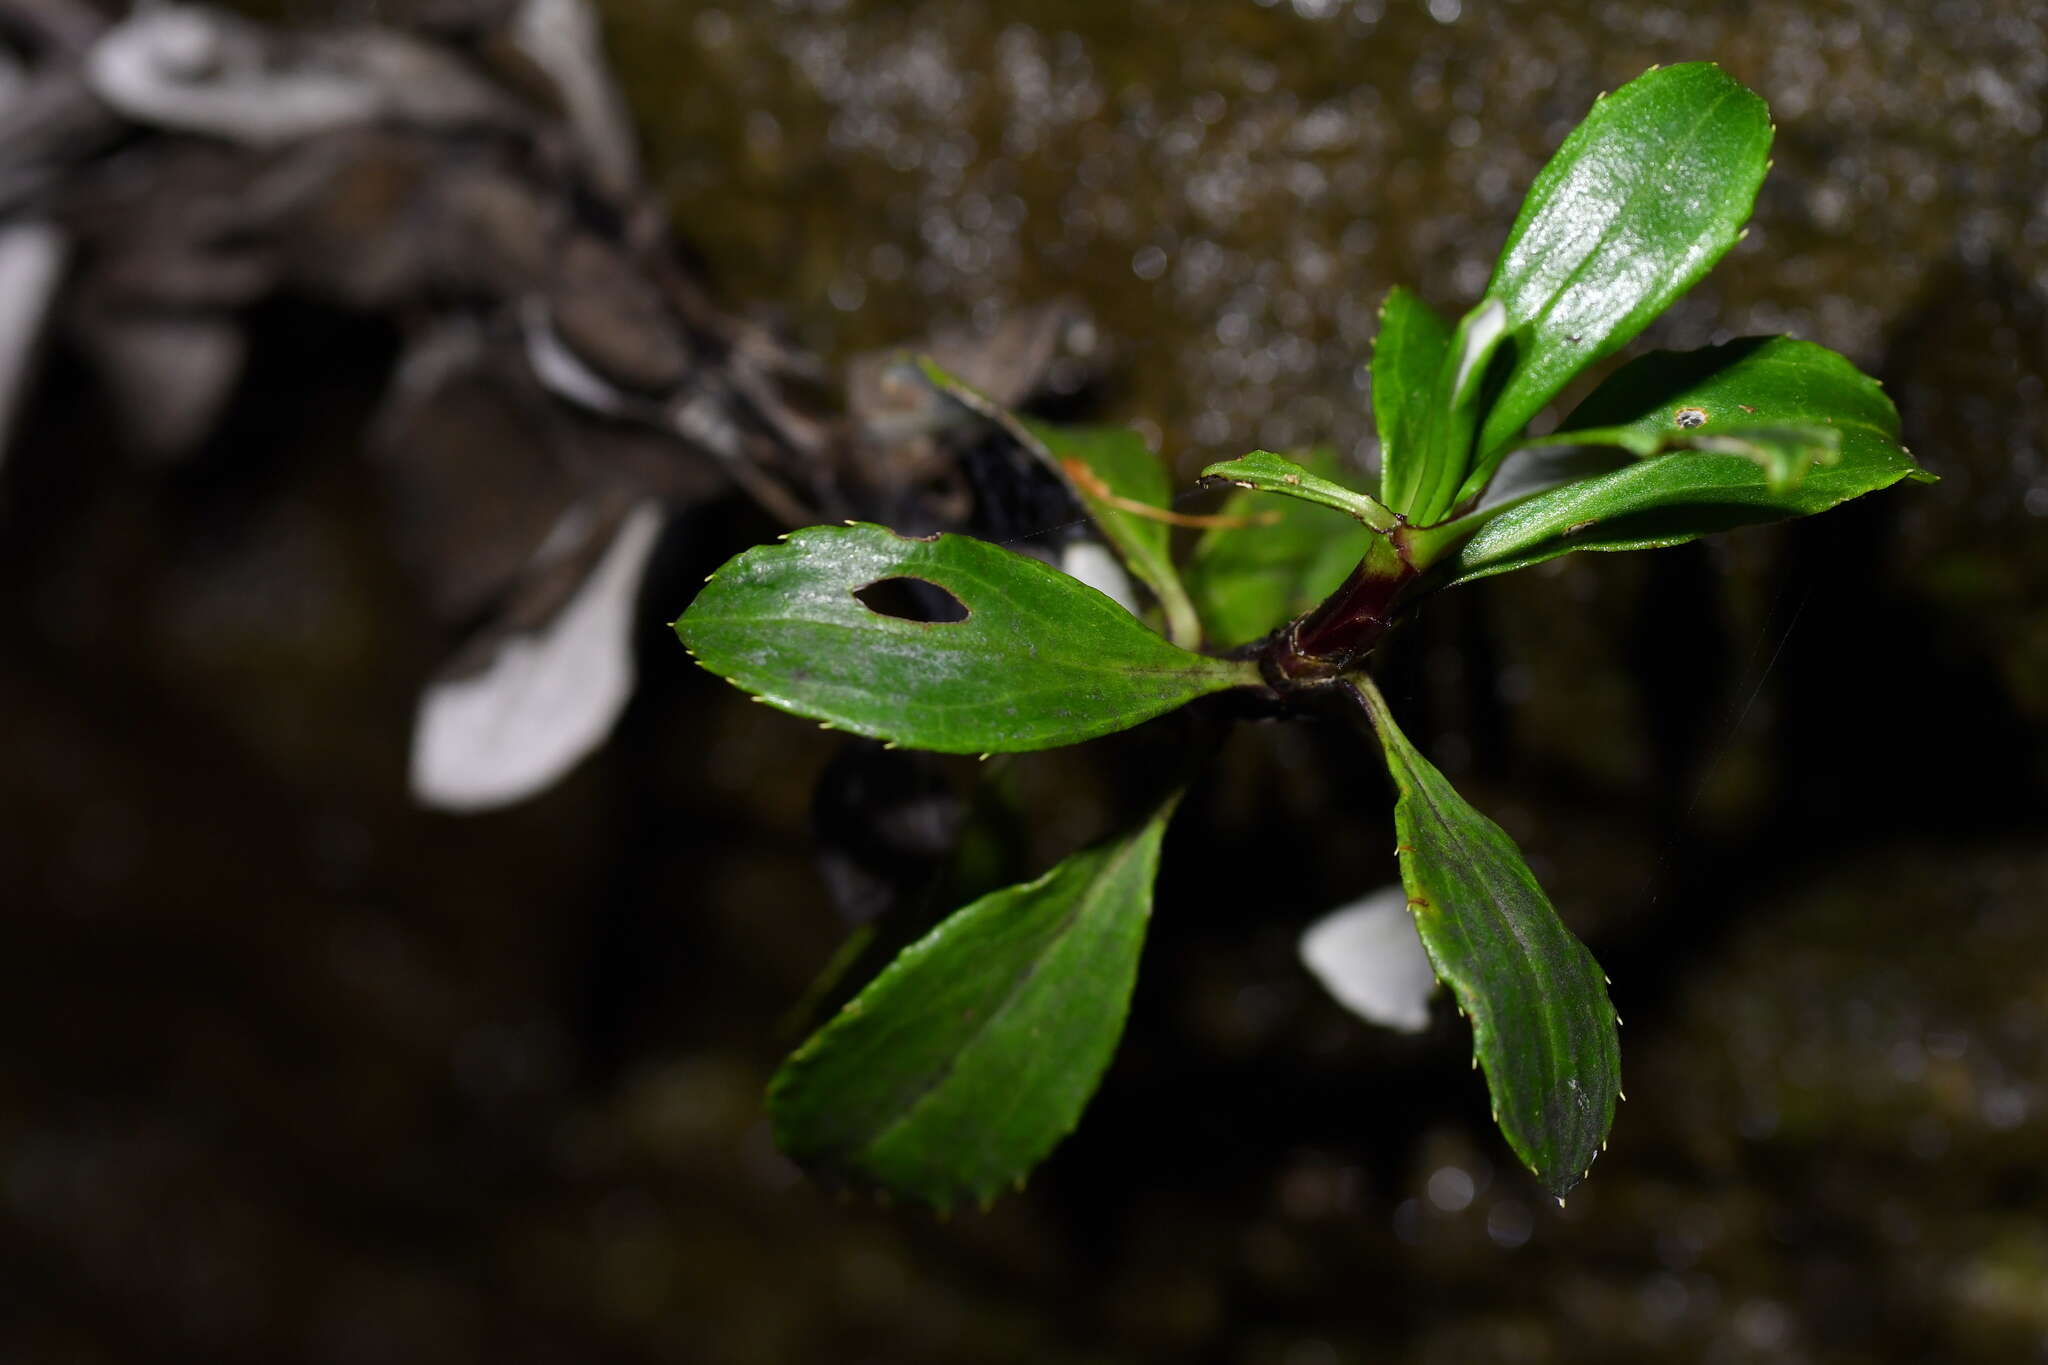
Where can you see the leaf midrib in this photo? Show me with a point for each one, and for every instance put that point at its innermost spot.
(1500, 920)
(1081, 661)
(1086, 902)
(1822, 473)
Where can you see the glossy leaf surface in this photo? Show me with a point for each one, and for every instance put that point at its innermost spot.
(1676, 398)
(1640, 201)
(1784, 453)
(1039, 660)
(1265, 472)
(1247, 579)
(1455, 409)
(1117, 478)
(1543, 1029)
(1406, 355)
(971, 1055)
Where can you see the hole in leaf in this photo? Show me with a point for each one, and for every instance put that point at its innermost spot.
(912, 599)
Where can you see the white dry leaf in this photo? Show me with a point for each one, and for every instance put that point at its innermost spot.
(547, 697)
(562, 38)
(198, 70)
(562, 372)
(1370, 957)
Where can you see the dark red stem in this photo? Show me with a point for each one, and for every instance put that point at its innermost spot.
(1318, 648)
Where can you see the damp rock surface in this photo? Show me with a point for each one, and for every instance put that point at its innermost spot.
(296, 1071)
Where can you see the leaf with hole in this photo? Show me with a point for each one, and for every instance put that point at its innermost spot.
(1113, 474)
(971, 1055)
(1641, 200)
(1543, 1028)
(1039, 659)
(1756, 388)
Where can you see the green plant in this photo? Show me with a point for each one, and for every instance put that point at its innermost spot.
(970, 1055)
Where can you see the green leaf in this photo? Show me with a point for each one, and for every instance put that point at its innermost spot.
(1542, 1026)
(1784, 403)
(1522, 476)
(1454, 409)
(972, 1054)
(1266, 472)
(1406, 356)
(1040, 660)
(1747, 389)
(1116, 477)
(1784, 452)
(1248, 579)
(987, 853)
(1638, 204)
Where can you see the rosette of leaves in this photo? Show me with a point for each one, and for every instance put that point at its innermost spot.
(970, 1055)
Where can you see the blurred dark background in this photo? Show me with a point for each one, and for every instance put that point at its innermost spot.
(297, 1070)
